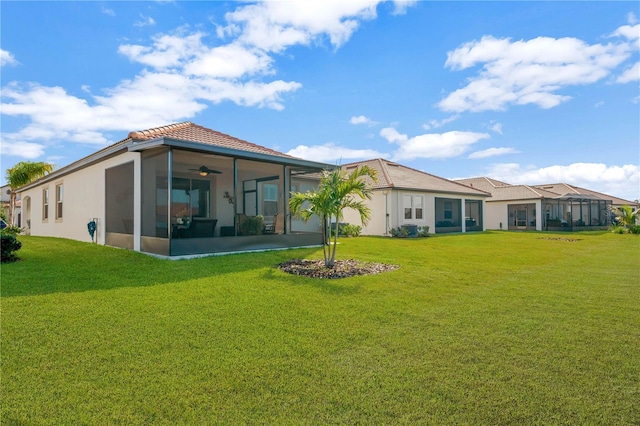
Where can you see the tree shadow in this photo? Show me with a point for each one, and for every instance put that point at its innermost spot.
(54, 265)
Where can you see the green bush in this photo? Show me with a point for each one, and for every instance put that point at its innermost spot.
(349, 230)
(400, 232)
(12, 230)
(423, 231)
(252, 225)
(9, 246)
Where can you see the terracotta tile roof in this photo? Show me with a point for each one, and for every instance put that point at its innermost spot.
(501, 191)
(394, 175)
(571, 189)
(188, 131)
(483, 183)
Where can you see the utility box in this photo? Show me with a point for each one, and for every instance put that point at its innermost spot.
(411, 229)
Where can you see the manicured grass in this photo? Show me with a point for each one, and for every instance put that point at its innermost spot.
(488, 328)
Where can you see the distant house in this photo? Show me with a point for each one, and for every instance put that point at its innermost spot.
(544, 207)
(5, 201)
(176, 190)
(405, 197)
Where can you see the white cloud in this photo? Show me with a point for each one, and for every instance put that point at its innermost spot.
(528, 71)
(495, 127)
(431, 145)
(630, 32)
(7, 58)
(360, 119)
(630, 74)
(21, 149)
(330, 153)
(274, 26)
(166, 51)
(401, 6)
(107, 11)
(622, 181)
(144, 21)
(493, 152)
(434, 124)
(185, 73)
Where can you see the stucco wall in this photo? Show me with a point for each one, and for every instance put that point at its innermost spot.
(497, 212)
(376, 225)
(83, 199)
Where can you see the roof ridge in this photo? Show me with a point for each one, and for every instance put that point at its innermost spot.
(151, 133)
(534, 191)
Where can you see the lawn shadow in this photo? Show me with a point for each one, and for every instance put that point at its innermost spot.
(53, 265)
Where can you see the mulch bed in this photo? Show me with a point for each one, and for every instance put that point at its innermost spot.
(341, 268)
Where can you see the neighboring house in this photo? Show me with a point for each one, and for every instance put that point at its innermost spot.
(403, 196)
(544, 207)
(176, 190)
(565, 188)
(5, 200)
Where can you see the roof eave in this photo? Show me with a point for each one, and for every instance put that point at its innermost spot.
(80, 164)
(238, 153)
(439, 191)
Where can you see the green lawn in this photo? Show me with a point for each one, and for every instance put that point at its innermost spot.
(489, 328)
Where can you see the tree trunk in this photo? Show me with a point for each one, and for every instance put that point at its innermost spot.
(12, 206)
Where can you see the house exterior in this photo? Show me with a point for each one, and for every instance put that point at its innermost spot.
(5, 204)
(175, 190)
(405, 197)
(553, 207)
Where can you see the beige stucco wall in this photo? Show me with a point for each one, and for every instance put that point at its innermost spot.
(83, 200)
(498, 212)
(376, 225)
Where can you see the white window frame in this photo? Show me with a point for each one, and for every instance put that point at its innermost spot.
(59, 211)
(413, 206)
(45, 204)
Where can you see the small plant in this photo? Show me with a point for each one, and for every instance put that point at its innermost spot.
(9, 246)
(252, 225)
(423, 231)
(400, 232)
(12, 230)
(351, 230)
(618, 229)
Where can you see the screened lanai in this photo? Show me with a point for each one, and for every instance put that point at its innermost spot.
(574, 212)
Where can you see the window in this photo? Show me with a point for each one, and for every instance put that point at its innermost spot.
(413, 207)
(59, 201)
(448, 210)
(270, 200)
(417, 205)
(408, 211)
(45, 204)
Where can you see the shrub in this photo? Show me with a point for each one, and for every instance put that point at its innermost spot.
(348, 230)
(9, 246)
(400, 232)
(12, 230)
(423, 231)
(252, 225)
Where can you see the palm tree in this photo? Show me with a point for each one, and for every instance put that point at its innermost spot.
(21, 174)
(626, 216)
(337, 191)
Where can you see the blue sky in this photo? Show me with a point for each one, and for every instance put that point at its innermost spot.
(524, 92)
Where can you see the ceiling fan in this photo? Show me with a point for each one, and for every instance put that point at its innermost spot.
(204, 171)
